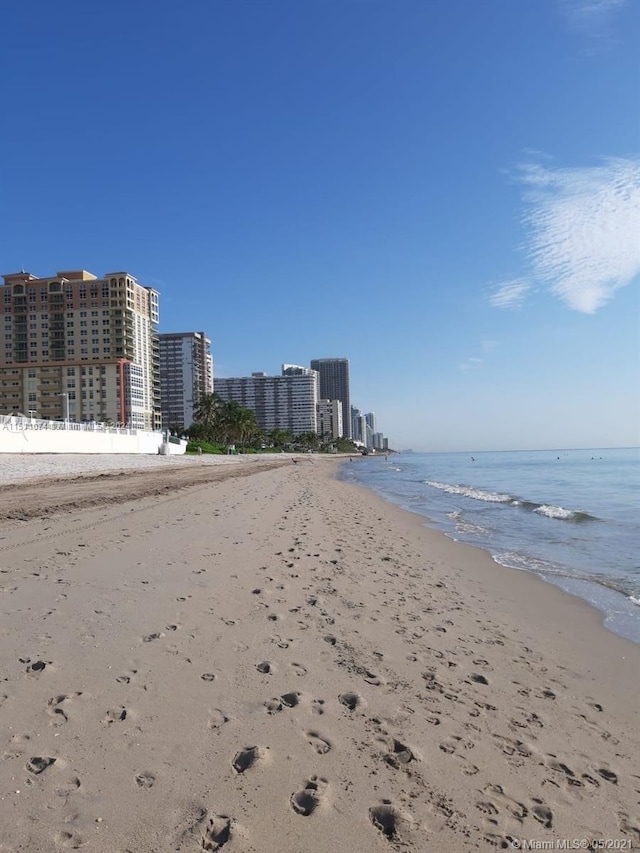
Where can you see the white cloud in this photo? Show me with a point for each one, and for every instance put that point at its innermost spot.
(592, 17)
(509, 294)
(488, 345)
(583, 232)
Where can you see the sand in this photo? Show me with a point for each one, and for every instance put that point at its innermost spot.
(282, 663)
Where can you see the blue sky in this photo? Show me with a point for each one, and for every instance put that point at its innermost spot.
(448, 193)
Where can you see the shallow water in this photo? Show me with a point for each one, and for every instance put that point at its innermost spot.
(571, 516)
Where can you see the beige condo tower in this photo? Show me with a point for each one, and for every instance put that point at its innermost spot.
(80, 347)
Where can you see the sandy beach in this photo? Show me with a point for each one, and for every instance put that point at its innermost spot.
(260, 658)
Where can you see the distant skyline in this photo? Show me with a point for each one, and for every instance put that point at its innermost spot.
(447, 194)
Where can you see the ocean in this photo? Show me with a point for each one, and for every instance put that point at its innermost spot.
(570, 516)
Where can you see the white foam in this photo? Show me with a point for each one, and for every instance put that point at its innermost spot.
(554, 511)
(470, 492)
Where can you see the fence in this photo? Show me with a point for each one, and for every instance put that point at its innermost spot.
(32, 435)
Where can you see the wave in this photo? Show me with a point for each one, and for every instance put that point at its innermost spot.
(470, 492)
(465, 526)
(528, 563)
(548, 510)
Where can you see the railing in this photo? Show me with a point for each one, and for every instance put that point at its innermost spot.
(23, 424)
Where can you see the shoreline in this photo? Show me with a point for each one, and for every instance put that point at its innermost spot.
(619, 611)
(285, 661)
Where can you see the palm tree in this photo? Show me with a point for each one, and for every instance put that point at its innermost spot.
(280, 437)
(208, 413)
(246, 425)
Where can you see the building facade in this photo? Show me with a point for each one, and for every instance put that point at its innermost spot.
(355, 424)
(330, 419)
(278, 402)
(334, 385)
(186, 373)
(78, 347)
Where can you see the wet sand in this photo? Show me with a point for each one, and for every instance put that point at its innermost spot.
(283, 663)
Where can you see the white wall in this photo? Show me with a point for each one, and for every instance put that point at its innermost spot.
(45, 437)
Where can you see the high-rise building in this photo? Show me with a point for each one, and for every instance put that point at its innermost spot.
(278, 402)
(377, 440)
(330, 419)
(363, 431)
(334, 385)
(79, 347)
(370, 418)
(355, 424)
(186, 374)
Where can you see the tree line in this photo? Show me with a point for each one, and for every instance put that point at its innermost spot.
(226, 422)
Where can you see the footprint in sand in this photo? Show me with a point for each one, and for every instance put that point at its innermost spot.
(542, 814)
(397, 753)
(307, 800)
(38, 765)
(246, 758)
(67, 789)
(320, 744)
(265, 667)
(145, 780)
(55, 707)
(37, 666)
(317, 706)
(115, 715)
(273, 706)
(608, 775)
(217, 719)
(290, 699)
(351, 701)
(388, 820)
(149, 638)
(299, 669)
(70, 840)
(216, 833)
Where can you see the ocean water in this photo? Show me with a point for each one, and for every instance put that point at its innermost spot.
(570, 516)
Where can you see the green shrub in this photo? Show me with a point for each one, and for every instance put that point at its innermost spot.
(206, 447)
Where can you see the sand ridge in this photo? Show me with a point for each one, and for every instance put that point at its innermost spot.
(281, 662)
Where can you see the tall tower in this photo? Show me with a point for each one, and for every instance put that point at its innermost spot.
(186, 374)
(334, 385)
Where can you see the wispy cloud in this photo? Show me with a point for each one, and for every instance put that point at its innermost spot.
(584, 227)
(488, 345)
(509, 294)
(471, 363)
(582, 230)
(591, 17)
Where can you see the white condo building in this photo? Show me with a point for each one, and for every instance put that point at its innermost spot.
(330, 418)
(186, 373)
(288, 401)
